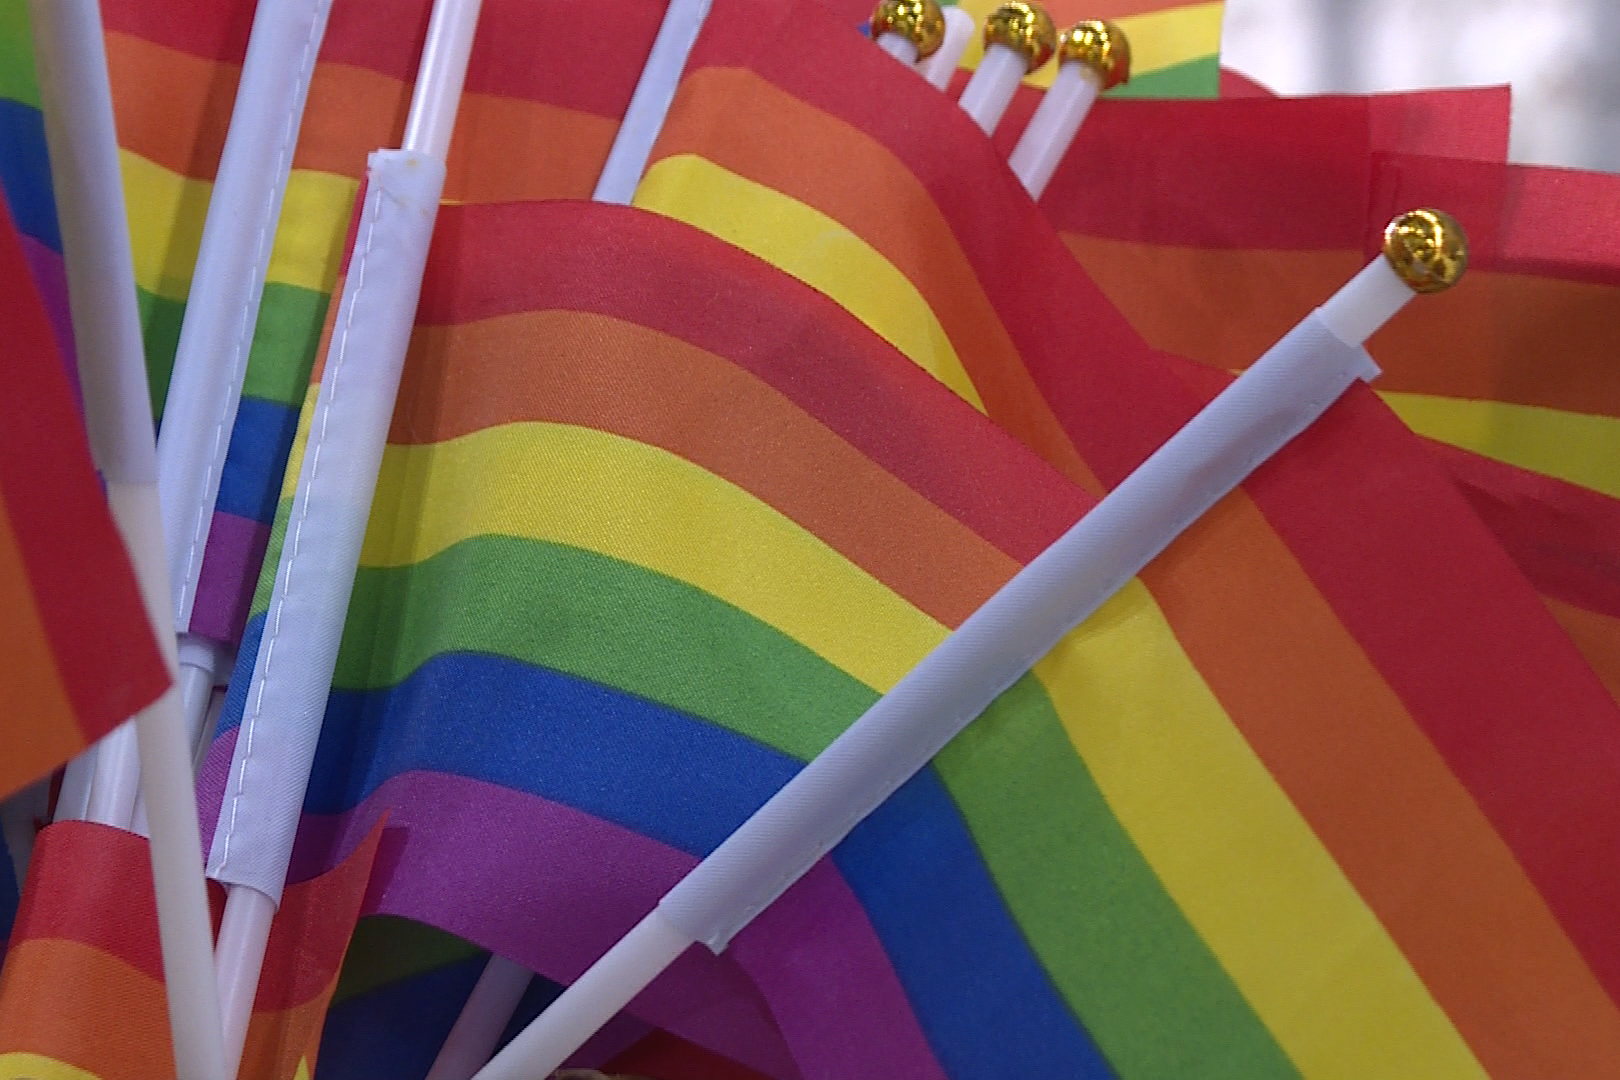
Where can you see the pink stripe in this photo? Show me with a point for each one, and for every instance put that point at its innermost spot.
(50, 276)
(806, 991)
(230, 570)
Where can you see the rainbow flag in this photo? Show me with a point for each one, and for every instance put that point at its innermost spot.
(81, 994)
(79, 655)
(1509, 375)
(591, 530)
(761, 152)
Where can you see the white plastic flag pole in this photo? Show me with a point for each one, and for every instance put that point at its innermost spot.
(939, 68)
(478, 1028)
(908, 30)
(1281, 395)
(1018, 38)
(83, 146)
(211, 357)
(649, 104)
(1093, 56)
(292, 674)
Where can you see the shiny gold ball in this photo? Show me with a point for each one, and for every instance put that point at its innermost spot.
(1026, 29)
(1101, 46)
(920, 22)
(1427, 249)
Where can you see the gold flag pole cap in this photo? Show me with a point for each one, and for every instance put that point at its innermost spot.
(920, 22)
(1100, 46)
(1427, 249)
(1026, 29)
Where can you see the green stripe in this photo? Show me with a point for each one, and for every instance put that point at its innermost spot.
(1199, 78)
(272, 559)
(1153, 996)
(387, 949)
(600, 619)
(160, 328)
(17, 78)
(284, 342)
(1116, 946)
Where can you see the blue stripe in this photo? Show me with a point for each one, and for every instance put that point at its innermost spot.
(396, 1029)
(247, 653)
(256, 460)
(983, 999)
(10, 897)
(25, 172)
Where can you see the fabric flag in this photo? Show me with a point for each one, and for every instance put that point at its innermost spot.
(82, 993)
(772, 186)
(1511, 377)
(80, 656)
(677, 527)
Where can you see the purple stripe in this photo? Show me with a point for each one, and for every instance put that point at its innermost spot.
(211, 779)
(50, 277)
(806, 991)
(230, 570)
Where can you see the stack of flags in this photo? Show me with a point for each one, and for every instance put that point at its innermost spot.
(675, 492)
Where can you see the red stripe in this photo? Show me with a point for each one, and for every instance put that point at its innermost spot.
(113, 910)
(1006, 496)
(538, 50)
(83, 585)
(1561, 535)
(1556, 223)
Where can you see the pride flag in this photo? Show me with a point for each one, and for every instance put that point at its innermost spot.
(645, 541)
(761, 152)
(79, 653)
(1510, 376)
(81, 994)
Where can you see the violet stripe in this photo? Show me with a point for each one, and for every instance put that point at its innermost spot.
(50, 277)
(230, 569)
(553, 887)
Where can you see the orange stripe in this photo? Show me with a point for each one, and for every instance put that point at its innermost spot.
(174, 110)
(38, 725)
(84, 1007)
(1382, 800)
(1596, 635)
(69, 1001)
(570, 368)
(729, 116)
(277, 1041)
(1516, 338)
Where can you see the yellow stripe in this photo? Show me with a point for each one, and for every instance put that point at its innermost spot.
(1578, 447)
(1159, 39)
(642, 505)
(295, 456)
(166, 213)
(809, 245)
(20, 1066)
(1313, 961)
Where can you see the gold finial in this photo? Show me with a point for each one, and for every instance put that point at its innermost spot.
(1026, 29)
(1428, 250)
(920, 22)
(1101, 46)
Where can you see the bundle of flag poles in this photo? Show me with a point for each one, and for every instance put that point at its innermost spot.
(780, 539)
